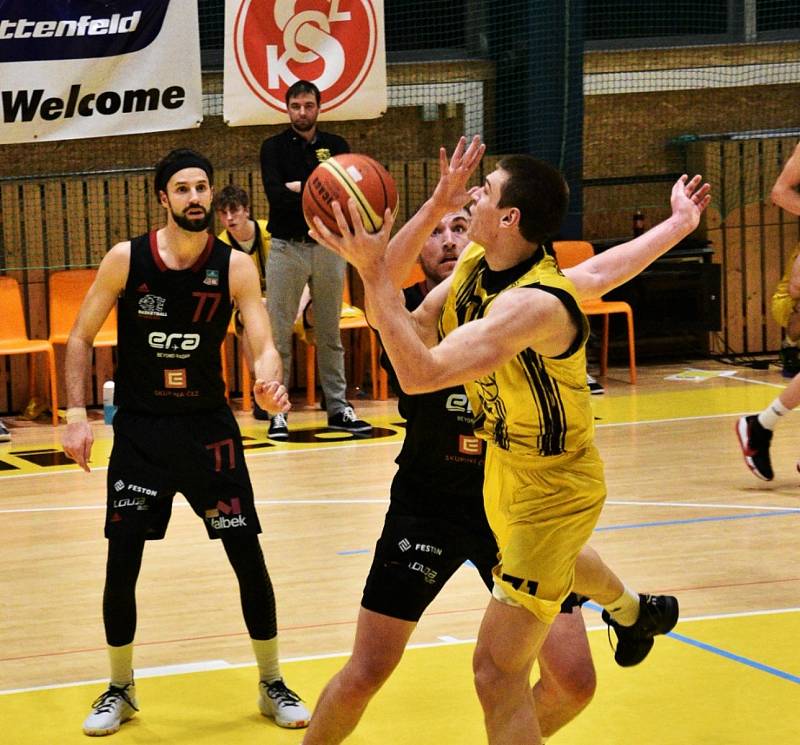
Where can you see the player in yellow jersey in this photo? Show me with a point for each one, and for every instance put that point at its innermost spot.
(508, 325)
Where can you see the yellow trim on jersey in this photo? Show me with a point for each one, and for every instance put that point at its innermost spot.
(259, 257)
(533, 405)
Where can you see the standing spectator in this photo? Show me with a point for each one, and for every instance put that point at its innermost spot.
(251, 236)
(287, 160)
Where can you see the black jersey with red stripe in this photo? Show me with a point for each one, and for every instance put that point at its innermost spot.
(440, 470)
(171, 324)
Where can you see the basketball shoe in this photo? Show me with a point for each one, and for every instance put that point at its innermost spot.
(755, 440)
(280, 703)
(658, 614)
(110, 710)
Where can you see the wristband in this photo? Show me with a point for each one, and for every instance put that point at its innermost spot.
(76, 414)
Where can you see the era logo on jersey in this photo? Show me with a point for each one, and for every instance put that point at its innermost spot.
(458, 402)
(276, 44)
(174, 342)
(175, 378)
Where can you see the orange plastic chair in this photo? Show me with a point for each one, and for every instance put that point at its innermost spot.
(68, 288)
(247, 386)
(570, 253)
(14, 339)
(353, 319)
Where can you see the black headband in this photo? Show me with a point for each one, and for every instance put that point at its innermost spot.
(189, 160)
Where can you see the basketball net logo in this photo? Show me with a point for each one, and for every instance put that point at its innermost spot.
(331, 43)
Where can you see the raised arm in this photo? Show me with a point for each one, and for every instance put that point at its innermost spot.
(449, 195)
(784, 193)
(611, 268)
(245, 287)
(108, 285)
(521, 318)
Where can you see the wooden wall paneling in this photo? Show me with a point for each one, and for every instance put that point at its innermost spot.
(118, 211)
(259, 206)
(54, 223)
(752, 248)
(772, 245)
(12, 226)
(733, 273)
(754, 258)
(35, 259)
(78, 245)
(97, 218)
(139, 206)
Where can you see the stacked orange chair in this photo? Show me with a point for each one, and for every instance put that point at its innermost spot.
(14, 339)
(570, 253)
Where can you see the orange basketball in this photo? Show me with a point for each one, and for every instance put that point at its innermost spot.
(342, 177)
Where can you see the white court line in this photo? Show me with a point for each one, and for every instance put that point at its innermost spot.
(385, 500)
(183, 504)
(207, 665)
(700, 505)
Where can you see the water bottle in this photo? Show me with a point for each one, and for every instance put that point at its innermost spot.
(108, 402)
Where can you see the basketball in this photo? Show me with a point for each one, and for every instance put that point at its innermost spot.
(342, 177)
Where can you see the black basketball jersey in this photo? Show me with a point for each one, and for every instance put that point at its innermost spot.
(171, 324)
(441, 462)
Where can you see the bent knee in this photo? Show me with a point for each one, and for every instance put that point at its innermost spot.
(578, 683)
(365, 677)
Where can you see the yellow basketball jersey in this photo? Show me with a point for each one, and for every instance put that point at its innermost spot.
(532, 405)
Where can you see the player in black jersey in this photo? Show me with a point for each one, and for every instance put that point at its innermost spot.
(173, 430)
(436, 522)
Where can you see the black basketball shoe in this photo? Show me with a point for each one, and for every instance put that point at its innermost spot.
(658, 614)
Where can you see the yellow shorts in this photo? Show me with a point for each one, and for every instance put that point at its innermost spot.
(541, 516)
(782, 308)
(783, 304)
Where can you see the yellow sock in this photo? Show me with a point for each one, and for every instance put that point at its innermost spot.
(266, 651)
(121, 659)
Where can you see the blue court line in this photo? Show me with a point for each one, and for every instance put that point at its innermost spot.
(354, 551)
(721, 652)
(736, 657)
(687, 521)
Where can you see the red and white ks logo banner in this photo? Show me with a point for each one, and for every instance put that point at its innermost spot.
(336, 44)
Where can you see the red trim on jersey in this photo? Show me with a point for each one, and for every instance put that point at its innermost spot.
(203, 257)
(162, 267)
(198, 264)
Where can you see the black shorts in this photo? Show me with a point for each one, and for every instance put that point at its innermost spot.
(414, 558)
(199, 455)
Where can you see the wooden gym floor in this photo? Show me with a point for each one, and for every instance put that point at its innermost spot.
(684, 516)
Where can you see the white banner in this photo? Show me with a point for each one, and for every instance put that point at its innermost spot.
(94, 69)
(336, 44)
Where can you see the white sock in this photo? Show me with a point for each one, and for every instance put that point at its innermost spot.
(121, 659)
(266, 651)
(770, 416)
(625, 609)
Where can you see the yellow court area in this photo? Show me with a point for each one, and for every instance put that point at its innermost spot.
(684, 516)
(684, 695)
